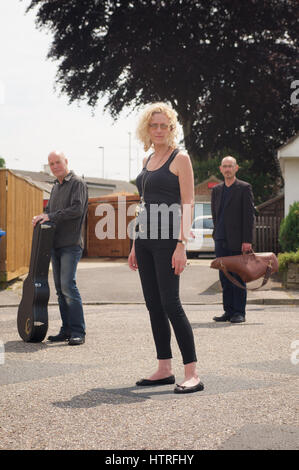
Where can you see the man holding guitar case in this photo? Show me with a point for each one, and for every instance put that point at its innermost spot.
(233, 217)
(66, 208)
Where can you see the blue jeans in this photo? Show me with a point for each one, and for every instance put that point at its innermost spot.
(64, 264)
(234, 298)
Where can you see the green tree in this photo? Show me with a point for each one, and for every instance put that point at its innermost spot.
(225, 65)
(289, 229)
(2, 162)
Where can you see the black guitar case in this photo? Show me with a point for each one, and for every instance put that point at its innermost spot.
(33, 309)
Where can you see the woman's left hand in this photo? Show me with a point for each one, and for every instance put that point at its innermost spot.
(179, 259)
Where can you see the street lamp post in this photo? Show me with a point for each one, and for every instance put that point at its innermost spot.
(103, 172)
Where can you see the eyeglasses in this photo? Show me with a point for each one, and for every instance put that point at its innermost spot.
(163, 127)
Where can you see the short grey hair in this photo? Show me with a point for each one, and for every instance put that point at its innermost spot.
(231, 158)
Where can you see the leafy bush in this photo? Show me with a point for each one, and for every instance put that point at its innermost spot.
(284, 259)
(289, 229)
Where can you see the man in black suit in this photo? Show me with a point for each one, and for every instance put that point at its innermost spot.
(233, 217)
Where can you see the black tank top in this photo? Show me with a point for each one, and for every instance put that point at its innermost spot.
(160, 191)
(161, 185)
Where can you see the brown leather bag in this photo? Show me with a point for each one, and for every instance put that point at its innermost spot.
(249, 266)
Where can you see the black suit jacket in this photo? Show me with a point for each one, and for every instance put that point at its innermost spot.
(238, 213)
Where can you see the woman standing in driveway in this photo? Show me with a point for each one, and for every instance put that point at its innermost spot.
(158, 251)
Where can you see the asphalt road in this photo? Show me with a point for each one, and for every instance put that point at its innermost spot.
(54, 396)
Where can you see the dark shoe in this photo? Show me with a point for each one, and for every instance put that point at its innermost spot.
(76, 340)
(237, 319)
(196, 388)
(147, 383)
(224, 317)
(59, 337)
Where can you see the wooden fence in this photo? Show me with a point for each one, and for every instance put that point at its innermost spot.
(112, 212)
(19, 202)
(266, 233)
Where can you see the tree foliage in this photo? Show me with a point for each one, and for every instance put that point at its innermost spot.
(2, 162)
(289, 229)
(225, 65)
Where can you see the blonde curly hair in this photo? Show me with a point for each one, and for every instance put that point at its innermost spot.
(142, 128)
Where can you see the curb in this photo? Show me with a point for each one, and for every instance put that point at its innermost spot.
(111, 302)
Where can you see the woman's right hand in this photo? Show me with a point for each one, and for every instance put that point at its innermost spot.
(132, 260)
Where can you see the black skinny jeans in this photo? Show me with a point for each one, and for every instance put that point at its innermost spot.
(161, 293)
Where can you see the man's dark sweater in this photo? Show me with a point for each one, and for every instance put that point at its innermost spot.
(67, 208)
(220, 228)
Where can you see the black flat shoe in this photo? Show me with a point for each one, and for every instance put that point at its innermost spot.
(148, 383)
(59, 337)
(196, 388)
(224, 317)
(237, 319)
(76, 340)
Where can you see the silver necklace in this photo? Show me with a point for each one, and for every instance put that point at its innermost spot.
(141, 206)
(144, 179)
(142, 201)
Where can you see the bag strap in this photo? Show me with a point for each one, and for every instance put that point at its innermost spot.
(238, 284)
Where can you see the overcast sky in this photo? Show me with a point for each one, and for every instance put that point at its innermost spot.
(34, 119)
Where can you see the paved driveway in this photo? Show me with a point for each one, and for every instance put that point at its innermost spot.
(54, 396)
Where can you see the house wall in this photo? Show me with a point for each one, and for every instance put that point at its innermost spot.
(291, 177)
(288, 156)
